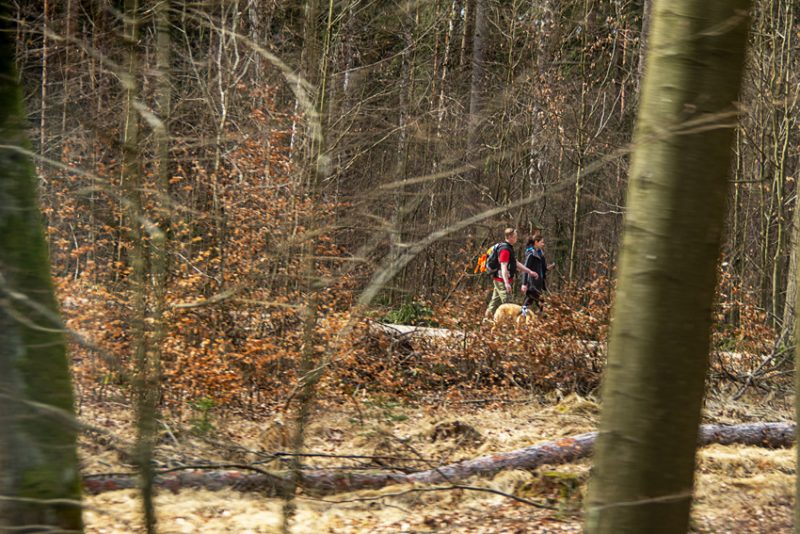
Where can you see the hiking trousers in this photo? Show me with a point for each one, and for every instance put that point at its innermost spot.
(532, 297)
(499, 296)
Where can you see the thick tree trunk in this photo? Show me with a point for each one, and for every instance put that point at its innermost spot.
(39, 481)
(560, 451)
(659, 343)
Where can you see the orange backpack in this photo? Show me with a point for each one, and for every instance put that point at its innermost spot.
(481, 266)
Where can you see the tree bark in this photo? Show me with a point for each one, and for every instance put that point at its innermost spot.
(39, 480)
(797, 399)
(659, 343)
(159, 235)
(132, 185)
(559, 451)
(643, 37)
(787, 324)
(43, 90)
(477, 88)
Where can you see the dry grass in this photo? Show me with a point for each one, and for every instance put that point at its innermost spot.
(739, 489)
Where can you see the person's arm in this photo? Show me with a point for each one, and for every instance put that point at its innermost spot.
(504, 274)
(524, 269)
(526, 278)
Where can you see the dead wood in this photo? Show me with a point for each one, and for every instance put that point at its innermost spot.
(321, 482)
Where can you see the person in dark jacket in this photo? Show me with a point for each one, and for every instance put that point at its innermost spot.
(533, 287)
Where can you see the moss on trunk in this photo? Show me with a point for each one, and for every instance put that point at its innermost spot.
(38, 459)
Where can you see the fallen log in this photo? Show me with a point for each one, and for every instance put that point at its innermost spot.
(402, 330)
(321, 482)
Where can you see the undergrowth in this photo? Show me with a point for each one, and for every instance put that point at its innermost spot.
(563, 351)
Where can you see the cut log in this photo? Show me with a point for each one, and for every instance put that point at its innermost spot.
(320, 482)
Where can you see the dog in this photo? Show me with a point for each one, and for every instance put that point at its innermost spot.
(507, 313)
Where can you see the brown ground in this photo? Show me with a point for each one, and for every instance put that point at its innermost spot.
(739, 489)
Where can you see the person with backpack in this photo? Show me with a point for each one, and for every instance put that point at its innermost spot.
(502, 264)
(533, 287)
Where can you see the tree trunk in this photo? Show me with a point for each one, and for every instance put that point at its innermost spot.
(643, 37)
(559, 451)
(158, 235)
(787, 324)
(316, 170)
(477, 88)
(39, 480)
(132, 185)
(659, 343)
(797, 400)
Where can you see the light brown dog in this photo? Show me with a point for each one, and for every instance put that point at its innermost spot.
(508, 313)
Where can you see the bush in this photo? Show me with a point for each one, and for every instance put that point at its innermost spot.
(413, 314)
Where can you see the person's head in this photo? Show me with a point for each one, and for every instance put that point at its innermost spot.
(511, 235)
(536, 242)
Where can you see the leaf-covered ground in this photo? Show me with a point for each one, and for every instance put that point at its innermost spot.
(739, 489)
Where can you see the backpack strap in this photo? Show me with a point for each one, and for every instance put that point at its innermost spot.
(496, 255)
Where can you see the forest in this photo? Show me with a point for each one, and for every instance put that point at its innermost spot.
(238, 282)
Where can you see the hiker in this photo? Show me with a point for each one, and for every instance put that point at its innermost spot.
(503, 270)
(533, 287)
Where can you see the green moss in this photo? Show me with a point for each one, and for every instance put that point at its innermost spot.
(37, 359)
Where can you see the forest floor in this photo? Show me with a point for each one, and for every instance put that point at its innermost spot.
(738, 489)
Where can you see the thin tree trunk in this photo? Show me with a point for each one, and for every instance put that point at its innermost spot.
(39, 479)
(43, 95)
(315, 171)
(67, 70)
(783, 124)
(575, 218)
(466, 13)
(797, 397)
(643, 38)
(477, 88)
(132, 186)
(791, 280)
(164, 98)
(159, 242)
(659, 342)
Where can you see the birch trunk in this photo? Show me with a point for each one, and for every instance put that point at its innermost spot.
(658, 348)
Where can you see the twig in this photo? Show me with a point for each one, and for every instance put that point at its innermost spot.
(166, 427)
(778, 350)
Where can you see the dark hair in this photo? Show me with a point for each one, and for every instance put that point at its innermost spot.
(532, 240)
